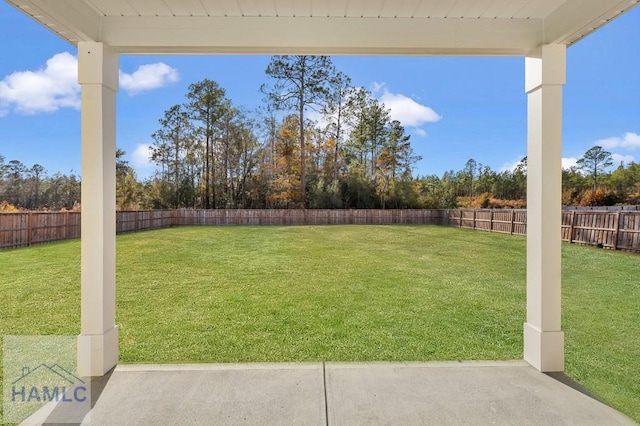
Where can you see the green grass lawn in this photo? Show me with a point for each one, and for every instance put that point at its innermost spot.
(337, 293)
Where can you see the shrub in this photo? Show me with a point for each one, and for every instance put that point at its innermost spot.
(599, 197)
(5, 207)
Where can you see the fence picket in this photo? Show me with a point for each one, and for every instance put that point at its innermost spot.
(616, 226)
(572, 225)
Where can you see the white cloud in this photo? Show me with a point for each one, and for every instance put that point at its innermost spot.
(376, 86)
(45, 90)
(629, 141)
(55, 85)
(511, 165)
(317, 117)
(141, 156)
(618, 158)
(567, 163)
(404, 109)
(420, 132)
(148, 77)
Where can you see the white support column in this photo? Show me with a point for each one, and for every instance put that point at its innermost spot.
(98, 340)
(543, 337)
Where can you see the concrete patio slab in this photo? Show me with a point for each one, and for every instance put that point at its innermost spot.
(475, 393)
(449, 393)
(222, 395)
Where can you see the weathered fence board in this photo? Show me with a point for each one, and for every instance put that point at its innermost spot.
(613, 229)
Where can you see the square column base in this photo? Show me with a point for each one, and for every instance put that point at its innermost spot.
(97, 353)
(544, 350)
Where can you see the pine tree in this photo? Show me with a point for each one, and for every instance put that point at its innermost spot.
(594, 162)
(300, 82)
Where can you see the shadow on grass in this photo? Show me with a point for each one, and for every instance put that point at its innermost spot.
(568, 381)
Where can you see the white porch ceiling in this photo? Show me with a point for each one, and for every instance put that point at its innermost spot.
(402, 27)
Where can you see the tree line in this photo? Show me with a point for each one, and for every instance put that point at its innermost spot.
(32, 188)
(318, 142)
(591, 182)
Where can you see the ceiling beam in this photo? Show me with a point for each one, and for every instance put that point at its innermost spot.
(305, 35)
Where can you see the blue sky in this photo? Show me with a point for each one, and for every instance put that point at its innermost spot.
(454, 108)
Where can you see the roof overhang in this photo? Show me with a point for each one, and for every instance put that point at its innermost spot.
(381, 27)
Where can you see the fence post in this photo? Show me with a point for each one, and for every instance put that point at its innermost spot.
(572, 224)
(616, 231)
(513, 221)
(474, 218)
(491, 220)
(460, 218)
(135, 220)
(66, 225)
(29, 228)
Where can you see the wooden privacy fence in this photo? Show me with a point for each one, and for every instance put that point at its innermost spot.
(25, 229)
(143, 220)
(309, 217)
(504, 221)
(617, 230)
